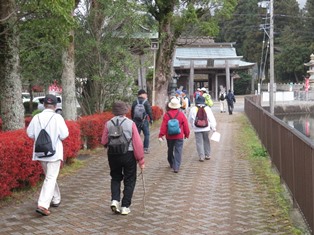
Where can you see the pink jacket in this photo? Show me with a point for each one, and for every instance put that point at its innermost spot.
(137, 143)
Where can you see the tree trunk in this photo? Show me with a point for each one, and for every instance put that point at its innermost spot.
(164, 63)
(69, 109)
(12, 110)
(69, 101)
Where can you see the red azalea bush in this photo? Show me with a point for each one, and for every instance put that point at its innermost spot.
(92, 127)
(157, 112)
(17, 169)
(73, 143)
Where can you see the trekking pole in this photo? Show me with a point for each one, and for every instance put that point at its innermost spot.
(144, 189)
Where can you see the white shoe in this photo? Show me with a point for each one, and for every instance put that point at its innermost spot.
(125, 210)
(115, 206)
(207, 157)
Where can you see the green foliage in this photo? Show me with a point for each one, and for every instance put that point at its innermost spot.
(104, 53)
(250, 148)
(27, 106)
(291, 49)
(243, 86)
(36, 112)
(44, 32)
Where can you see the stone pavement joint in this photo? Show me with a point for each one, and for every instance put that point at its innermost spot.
(220, 196)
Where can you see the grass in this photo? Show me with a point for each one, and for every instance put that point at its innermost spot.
(250, 147)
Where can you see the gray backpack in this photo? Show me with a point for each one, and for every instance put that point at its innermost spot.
(139, 113)
(117, 141)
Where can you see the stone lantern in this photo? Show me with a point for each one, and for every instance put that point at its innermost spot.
(311, 71)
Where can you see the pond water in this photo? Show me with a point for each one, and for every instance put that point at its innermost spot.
(304, 123)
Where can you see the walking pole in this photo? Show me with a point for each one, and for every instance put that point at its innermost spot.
(144, 189)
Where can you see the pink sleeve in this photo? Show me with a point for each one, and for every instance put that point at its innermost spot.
(104, 138)
(137, 145)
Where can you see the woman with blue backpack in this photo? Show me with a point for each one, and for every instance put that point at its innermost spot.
(175, 127)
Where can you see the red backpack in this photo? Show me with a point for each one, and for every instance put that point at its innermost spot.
(201, 117)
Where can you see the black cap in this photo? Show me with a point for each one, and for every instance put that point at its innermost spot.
(50, 99)
(140, 92)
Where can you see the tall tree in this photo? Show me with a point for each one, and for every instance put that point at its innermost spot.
(290, 50)
(176, 18)
(12, 110)
(42, 42)
(244, 29)
(104, 43)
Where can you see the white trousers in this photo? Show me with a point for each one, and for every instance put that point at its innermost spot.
(222, 106)
(50, 190)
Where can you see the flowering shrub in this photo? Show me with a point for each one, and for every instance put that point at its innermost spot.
(16, 166)
(17, 169)
(92, 127)
(73, 143)
(157, 112)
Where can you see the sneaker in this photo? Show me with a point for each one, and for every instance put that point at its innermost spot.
(115, 206)
(207, 157)
(146, 151)
(125, 210)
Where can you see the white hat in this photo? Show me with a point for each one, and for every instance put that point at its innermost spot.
(174, 103)
(203, 89)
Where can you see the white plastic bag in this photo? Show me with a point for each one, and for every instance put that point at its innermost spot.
(215, 136)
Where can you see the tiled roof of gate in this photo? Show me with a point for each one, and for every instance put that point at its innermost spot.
(217, 54)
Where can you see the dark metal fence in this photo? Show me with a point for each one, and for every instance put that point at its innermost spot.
(290, 152)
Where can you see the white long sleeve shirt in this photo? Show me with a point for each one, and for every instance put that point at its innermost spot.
(57, 129)
(210, 117)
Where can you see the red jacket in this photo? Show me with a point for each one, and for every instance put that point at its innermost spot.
(185, 130)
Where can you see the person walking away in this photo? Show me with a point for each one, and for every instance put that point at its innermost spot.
(222, 96)
(208, 99)
(174, 141)
(57, 129)
(197, 93)
(230, 100)
(123, 164)
(141, 113)
(202, 131)
(179, 96)
(187, 102)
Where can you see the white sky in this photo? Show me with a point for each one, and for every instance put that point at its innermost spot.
(301, 3)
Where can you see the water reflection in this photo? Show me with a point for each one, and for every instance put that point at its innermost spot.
(301, 122)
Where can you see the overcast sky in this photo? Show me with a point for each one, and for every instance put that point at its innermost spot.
(302, 3)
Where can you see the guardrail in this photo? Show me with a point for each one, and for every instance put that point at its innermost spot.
(290, 152)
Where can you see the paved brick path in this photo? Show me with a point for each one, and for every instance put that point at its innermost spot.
(220, 196)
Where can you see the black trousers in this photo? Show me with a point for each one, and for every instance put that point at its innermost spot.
(122, 167)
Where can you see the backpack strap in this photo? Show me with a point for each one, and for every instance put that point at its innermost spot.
(47, 122)
(177, 114)
(117, 122)
(169, 115)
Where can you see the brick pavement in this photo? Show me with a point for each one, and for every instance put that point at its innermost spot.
(220, 196)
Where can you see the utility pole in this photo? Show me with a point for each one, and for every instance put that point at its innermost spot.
(271, 59)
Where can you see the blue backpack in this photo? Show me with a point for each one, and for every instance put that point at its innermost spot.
(173, 125)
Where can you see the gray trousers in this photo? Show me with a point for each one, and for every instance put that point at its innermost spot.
(202, 144)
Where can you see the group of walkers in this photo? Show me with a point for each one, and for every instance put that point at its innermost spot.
(121, 138)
